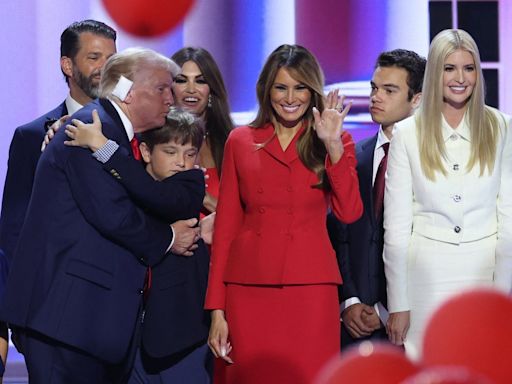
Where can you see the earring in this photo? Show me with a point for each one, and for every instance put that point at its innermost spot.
(210, 100)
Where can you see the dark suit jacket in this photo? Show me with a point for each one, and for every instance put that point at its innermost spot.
(78, 271)
(359, 245)
(175, 319)
(24, 153)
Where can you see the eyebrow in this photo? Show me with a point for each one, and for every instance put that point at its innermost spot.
(394, 86)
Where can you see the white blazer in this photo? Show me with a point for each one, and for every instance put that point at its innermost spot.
(459, 207)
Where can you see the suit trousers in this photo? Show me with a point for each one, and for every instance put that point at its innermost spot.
(52, 362)
(194, 366)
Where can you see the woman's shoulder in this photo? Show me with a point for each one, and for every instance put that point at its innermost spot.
(247, 132)
(405, 128)
(500, 115)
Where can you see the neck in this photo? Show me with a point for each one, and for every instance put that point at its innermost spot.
(78, 95)
(453, 115)
(388, 130)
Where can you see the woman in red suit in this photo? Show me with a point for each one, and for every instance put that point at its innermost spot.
(273, 275)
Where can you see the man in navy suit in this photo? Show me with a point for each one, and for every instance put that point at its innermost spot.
(396, 91)
(85, 46)
(76, 283)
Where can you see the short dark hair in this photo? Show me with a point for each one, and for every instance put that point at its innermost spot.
(70, 38)
(413, 63)
(180, 126)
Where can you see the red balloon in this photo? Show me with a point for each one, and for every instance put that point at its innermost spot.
(473, 329)
(368, 363)
(447, 375)
(147, 18)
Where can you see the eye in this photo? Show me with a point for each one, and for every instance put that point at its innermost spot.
(180, 80)
(448, 68)
(301, 87)
(470, 68)
(280, 87)
(201, 81)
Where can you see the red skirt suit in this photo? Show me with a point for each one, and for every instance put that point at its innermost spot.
(273, 269)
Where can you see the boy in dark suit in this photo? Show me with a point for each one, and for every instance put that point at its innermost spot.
(174, 307)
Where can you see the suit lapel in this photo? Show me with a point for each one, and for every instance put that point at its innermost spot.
(114, 115)
(365, 173)
(273, 147)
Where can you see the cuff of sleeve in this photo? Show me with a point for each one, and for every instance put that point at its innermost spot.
(106, 151)
(350, 301)
(172, 241)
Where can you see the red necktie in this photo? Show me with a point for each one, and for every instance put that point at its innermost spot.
(134, 143)
(378, 185)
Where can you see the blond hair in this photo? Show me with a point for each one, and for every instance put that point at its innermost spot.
(483, 123)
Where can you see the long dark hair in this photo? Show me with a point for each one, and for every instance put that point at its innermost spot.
(303, 67)
(218, 121)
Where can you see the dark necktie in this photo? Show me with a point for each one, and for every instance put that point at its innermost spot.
(378, 185)
(134, 143)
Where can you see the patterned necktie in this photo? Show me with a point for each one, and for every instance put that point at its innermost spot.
(378, 185)
(134, 143)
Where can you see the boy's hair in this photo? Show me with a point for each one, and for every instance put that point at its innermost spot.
(180, 126)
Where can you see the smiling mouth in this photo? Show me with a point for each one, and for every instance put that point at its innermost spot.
(290, 108)
(458, 88)
(190, 99)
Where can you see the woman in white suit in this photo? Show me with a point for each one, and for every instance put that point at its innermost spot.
(448, 199)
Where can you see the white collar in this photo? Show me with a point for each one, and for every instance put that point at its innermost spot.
(128, 127)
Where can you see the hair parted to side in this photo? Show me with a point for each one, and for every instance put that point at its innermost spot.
(70, 37)
(483, 123)
(218, 121)
(180, 126)
(302, 65)
(411, 62)
(127, 63)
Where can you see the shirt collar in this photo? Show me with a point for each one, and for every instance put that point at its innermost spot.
(461, 130)
(72, 105)
(382, 138)
(128, 127)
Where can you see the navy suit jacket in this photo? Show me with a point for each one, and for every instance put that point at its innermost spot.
(175, 319)
(359, 245)
(24, 153)
(78, 271)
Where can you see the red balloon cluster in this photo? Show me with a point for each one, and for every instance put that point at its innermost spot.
(147, 18)
(467, 341)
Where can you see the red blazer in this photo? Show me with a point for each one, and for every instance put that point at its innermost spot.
(271, 224)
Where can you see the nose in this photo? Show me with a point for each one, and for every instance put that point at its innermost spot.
(180, 161)
(460, 76)
(290, 95)
(169, 99)
(375, 96)
(190, 87)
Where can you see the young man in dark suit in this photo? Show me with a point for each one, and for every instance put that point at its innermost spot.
(85, 46)
(76, 283)
(396, 91)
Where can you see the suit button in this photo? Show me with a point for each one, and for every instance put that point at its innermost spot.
(454, 136)
(457, 198)
(261, 210)
(456, 229)
(455, 167)
(260, 190)
(141, 291)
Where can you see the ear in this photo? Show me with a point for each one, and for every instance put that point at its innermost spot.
(129, 97)
(416, 99)
(66, 64)
(145, 152)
